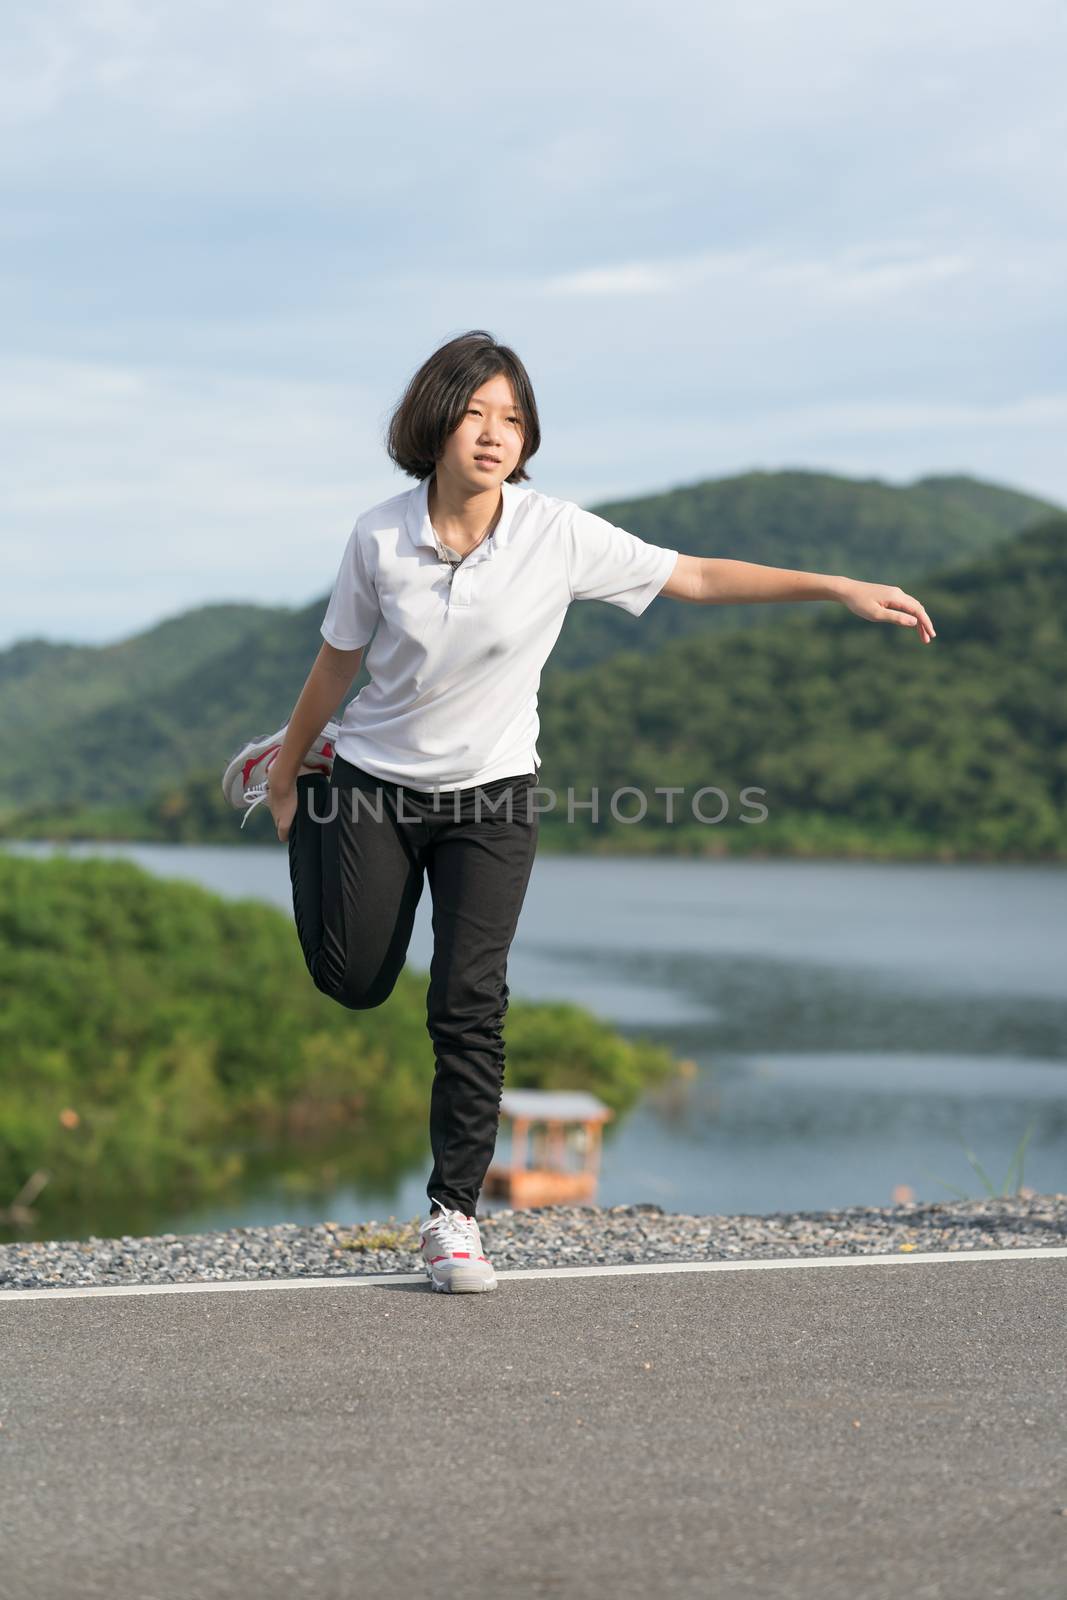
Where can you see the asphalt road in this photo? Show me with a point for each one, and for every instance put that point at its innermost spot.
(896, 1431)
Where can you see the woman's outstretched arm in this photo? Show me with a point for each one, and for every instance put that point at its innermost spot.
(709, 580)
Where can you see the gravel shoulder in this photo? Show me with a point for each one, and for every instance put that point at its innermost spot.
(547, 1236)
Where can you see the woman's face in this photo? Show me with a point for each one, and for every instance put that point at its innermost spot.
(491, 426)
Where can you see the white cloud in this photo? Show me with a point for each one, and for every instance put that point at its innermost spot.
(864, 273)
(1009, 441)
(1028, 411)
(169, 489)
(720, 236)
(849, 279)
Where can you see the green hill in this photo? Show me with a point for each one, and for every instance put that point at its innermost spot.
(862, 738)
(143, 728)
(810, 521)
(152, 1032)
(59, 684)
(1007, 508)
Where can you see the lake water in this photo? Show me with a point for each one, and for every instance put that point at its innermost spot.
(854, 1024)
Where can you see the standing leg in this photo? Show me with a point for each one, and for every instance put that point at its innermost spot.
(479, 872)
(357, 879)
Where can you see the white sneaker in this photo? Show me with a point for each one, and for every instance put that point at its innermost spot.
(452, 1252)
(244, 783)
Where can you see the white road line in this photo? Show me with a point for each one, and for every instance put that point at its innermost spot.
(380, 1279)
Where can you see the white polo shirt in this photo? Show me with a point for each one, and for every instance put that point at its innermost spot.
(457, 652)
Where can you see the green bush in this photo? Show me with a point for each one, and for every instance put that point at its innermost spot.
(144, 1022)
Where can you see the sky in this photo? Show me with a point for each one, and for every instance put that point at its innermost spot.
(721, 237)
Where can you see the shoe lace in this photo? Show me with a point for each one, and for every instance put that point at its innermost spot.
(453, 1229)
(259, 793)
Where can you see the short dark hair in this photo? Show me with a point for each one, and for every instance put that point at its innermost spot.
(435, 402)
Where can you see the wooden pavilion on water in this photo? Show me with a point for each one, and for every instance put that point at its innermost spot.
(555, 1147)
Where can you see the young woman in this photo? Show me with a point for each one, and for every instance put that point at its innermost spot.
(462, 583)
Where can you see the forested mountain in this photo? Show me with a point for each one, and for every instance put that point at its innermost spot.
(855, 731)
(811, 521)
(861, 739)
(62, 683)
(119, 724)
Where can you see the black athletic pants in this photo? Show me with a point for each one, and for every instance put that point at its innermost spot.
(358, 847)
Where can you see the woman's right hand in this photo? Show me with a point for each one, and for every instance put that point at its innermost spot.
(282, 802)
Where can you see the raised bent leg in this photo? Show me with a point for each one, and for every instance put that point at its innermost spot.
(357, 882)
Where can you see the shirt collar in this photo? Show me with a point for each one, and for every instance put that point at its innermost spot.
(419, 526)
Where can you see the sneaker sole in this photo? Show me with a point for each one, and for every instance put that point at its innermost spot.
(464, 1280)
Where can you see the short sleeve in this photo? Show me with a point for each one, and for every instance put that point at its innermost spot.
(608, 563)
(352, 614)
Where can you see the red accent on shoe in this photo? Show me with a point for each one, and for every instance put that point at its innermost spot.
(254, 761)
(327, 749)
